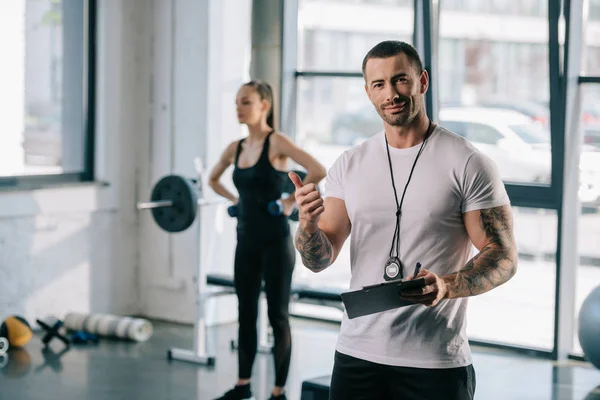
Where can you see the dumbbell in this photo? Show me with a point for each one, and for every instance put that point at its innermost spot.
(232, 211)
(275, 207)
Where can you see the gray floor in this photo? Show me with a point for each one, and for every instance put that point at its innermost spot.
(119, 370)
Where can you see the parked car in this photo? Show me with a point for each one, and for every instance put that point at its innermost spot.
(537, 112)
(520, 147)
(592, 136)
(511, 139)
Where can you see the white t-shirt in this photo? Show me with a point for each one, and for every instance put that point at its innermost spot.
(450, 178)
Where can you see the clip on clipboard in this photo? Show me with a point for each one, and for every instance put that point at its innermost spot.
(380, 297)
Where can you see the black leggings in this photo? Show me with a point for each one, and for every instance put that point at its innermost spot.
(274, 262)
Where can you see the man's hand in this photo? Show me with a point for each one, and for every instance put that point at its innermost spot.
(310, 203)
(431, 294)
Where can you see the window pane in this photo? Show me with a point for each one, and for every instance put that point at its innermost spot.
(588, 272)
(498, 78)
(336, 35)
(335, 114)
(592, 66)
(525, 7)
(42, 80)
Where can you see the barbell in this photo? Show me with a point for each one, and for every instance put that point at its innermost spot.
(174, 202)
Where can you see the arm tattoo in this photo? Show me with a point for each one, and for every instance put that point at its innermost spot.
(495, 264)
(315, 249)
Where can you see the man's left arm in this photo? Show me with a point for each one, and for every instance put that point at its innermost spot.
(491, 231)
(488, 220)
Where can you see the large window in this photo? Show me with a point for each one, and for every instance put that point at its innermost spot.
(592, 39)
(46, 75)
(493, 83)
(336, 35)
(507, 7)
(333, 112)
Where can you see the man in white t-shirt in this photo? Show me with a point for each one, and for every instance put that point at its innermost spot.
(413, 193)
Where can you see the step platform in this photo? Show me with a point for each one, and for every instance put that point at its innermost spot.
(316, 388)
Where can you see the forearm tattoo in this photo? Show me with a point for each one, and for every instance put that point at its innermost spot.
(315, 249)
(496, 262)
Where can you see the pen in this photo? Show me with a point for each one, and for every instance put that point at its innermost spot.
(417, 269)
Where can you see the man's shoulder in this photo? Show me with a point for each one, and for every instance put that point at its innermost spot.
(454, 140)
(360, 150)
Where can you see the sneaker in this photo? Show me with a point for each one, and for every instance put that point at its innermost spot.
(280, 397)
(239, 392)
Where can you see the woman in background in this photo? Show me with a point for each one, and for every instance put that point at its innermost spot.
(265, 248)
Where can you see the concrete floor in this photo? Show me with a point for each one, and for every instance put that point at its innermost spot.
(120, 370)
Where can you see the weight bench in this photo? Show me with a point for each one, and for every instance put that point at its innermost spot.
(330, 297)
(324, 296)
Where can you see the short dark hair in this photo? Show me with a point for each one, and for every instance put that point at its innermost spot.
(390, 48)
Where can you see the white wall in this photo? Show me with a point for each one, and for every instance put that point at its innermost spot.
(74, 248)
(12, 76)
(168, 72)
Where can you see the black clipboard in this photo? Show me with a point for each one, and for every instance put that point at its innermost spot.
(380, 297)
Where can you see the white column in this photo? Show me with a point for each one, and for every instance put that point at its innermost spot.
(200, 57)
(569, 254)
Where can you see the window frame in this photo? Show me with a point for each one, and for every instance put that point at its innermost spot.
(87, 174)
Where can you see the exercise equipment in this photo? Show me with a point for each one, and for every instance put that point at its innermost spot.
(589, 327)
(316, 388)
(173, 203)
(52, 327)
(128, 328)
(3, 345)
(17, 330)
(80, 337)
(166, 200)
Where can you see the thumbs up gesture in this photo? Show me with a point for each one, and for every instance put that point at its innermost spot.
(310, 203)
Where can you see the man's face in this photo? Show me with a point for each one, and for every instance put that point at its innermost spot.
(395, 88)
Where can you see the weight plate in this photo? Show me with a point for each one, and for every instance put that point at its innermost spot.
(182, 213)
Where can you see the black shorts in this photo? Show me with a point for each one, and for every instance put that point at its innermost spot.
(355, 379)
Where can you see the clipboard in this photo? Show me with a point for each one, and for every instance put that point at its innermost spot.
(379, 297)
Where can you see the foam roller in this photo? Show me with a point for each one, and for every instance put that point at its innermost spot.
(128, 328)
(3, 345)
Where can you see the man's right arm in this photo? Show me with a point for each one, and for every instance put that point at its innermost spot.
(319, 240)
